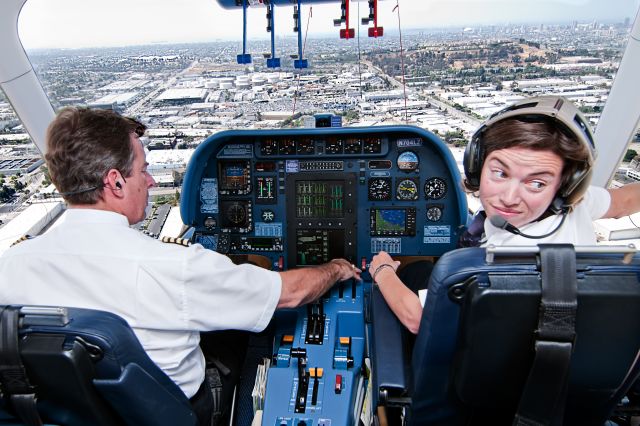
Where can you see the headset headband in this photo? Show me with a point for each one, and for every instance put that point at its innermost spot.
(556, 108)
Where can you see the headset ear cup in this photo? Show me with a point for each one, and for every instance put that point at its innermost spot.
(473, 160)
(574, 191)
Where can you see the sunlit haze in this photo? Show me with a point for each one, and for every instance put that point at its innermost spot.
(82, 23)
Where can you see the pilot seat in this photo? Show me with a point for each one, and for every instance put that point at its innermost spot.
(70, 366)
(516, 335)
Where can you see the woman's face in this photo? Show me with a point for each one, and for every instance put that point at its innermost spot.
(519, 184)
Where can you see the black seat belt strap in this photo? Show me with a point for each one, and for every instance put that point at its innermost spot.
(13, 377)
(544, 394)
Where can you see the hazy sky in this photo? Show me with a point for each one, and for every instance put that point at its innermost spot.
(84, 23)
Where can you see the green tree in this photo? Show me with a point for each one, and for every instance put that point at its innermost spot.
(6, 192)
(630, 155)
(47, 176)
(453, 135)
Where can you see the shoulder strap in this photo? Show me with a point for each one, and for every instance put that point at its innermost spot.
(543, 397)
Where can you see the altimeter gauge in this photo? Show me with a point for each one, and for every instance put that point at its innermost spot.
(435, 188)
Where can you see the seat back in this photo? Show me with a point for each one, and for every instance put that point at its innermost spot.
(88, 367)
(476, 341)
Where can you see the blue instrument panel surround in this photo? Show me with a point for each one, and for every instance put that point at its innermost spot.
(301, 197)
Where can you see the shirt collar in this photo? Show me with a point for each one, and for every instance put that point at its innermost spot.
(73, 215)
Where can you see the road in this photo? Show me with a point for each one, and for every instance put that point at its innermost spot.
(454, 112)
(434, 101)
(155, 92)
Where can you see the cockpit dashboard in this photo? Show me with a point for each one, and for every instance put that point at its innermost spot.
(297, 198)
(302, 197)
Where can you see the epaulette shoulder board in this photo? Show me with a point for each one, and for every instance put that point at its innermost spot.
(176, 240)
(21, 239)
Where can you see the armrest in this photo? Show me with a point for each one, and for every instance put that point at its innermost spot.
(390, 357)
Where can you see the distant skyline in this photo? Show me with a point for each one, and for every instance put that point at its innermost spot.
(91, 23)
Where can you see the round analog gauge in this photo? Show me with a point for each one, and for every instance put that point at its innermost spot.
(379, 189)
(236, 213)
(408, 161)
(407, 190)
(435, 188)
(434, 213)
(210, 223)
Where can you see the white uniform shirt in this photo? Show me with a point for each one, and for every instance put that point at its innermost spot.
(167, 293)
(577, 228)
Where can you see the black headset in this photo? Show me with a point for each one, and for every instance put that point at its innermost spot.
(561, 111)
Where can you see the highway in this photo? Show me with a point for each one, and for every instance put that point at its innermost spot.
(434, 101)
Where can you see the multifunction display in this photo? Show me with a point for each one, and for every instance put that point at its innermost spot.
(393, 221)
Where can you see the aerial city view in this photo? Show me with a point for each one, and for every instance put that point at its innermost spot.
(444, 80)
(320, 212)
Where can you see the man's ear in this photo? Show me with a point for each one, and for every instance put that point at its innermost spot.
(112, 182)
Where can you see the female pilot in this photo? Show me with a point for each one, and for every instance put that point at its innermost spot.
(530, 164)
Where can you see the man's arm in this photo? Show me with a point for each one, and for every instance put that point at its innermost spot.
(304, 285)
(624, 200)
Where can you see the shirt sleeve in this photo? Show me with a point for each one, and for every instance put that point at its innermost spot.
(597, 200)
(221, 295)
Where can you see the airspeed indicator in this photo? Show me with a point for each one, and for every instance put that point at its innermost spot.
(379, 189)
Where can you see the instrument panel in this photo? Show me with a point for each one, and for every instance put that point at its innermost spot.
(302, 197)
(381, 188)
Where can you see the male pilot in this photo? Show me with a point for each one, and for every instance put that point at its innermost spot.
(167, 293)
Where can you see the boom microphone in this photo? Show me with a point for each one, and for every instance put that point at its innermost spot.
(502, 223)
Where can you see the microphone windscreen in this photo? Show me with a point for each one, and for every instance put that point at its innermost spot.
(499, 222)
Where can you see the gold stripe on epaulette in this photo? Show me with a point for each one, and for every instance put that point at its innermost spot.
(176, 240)
(21, 239)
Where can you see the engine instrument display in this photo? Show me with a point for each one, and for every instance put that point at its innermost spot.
(334, 146)
(353, 146)
(286, 146)
(265, 190)
(319, 199)
(269, 147)
(372, 146)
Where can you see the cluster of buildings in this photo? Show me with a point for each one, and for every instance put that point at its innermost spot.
(183, 100)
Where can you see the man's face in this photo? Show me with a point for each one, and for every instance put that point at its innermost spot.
(519, 184)
(137, 185)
